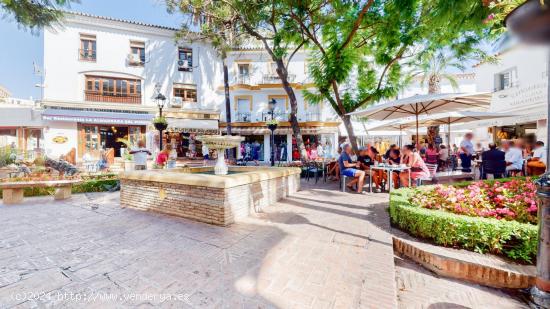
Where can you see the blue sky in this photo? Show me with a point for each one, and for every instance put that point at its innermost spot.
(17, 56)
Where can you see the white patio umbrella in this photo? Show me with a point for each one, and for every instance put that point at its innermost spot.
(426, 104)
(446, 119)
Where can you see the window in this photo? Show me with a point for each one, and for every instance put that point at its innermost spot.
(188, 93)
(244, 69)
(185, 59)
(88, 46)
(137, 53)
(506, 79)
(108, 89)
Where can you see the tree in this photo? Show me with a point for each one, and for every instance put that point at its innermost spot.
(216, 25)
(431, 68)
(358, 47)
(261, 21)
(36, 13)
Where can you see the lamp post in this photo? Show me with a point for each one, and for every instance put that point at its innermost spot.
(272, 126)
(160, 99)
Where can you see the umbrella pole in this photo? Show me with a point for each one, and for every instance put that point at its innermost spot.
(400, 136)
(449, 136)
(417, 136)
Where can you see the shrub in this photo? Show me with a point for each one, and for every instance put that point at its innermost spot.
(90, 185)
(518, 241)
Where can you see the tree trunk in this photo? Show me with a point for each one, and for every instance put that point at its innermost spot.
(283, 75)
(434, 86)
(346, 119)
(227, 100)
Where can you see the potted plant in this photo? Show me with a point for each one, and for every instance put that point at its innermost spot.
(128, 158)
(272, 124)
(530, 21)
(160, 123)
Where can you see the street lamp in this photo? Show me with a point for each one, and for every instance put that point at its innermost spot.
(160, 99)
(272, 126)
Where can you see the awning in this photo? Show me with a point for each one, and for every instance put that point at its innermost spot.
(84, 116)
(281, 130)
(199, 126)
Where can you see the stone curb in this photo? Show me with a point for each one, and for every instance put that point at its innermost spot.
(462, 270)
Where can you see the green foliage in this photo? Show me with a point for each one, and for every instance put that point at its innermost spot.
(35, 14)
(95, 184)
(160, 119)
(7, 156)
(517, 241)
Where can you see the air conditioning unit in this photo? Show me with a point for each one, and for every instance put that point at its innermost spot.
(183, 65)
(134, 59)
(177, 102)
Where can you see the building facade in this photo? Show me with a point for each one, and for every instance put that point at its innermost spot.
(102, 76)
(519, 82)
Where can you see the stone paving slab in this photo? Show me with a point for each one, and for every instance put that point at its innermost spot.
(418, 288)
(317, 249)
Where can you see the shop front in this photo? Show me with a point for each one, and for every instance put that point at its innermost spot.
(256, 145)
(183, 129)
(21, 129)
(85, 133)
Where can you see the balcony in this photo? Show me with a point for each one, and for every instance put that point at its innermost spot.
(87, 55)
(311, 116)
(95, 96)
(243, 79)
(274, 78)
(280, 116)
(243, 117)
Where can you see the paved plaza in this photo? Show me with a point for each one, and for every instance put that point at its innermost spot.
(318, 249)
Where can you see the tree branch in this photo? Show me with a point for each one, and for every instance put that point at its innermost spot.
(356, 25)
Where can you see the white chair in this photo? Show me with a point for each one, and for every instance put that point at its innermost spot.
(432, 168)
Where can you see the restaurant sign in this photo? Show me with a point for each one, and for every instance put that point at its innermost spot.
(520, 98)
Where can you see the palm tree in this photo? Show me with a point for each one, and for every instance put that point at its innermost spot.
(431, 69)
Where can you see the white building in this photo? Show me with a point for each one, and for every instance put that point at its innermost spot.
(21, 126)
(519, 81)
(102, 74)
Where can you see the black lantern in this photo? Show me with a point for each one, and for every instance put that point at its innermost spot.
(272, 126)
(160, 99)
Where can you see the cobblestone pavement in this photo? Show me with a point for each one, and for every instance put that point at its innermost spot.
(318, 249)
(420, 288)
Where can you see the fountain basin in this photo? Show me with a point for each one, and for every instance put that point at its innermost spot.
(197, 194)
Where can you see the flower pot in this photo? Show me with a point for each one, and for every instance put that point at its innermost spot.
(272, 127)
(530, 22)
(160, 126)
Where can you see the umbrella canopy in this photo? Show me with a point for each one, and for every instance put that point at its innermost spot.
(426, 104)
(444, 119)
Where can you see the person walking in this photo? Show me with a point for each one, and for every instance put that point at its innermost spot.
(466, 152)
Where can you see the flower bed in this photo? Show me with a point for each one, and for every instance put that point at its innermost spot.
(513, 199)
(498, 233)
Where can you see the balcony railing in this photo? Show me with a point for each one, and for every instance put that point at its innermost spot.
(87, 54)
(312, 116)
(280, 116)
(274, 78)
(243, 117)
(95, 96)
(242, 79)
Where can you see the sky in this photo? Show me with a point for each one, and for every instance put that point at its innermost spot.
(19, 48)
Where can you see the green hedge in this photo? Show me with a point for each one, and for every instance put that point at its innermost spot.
(92, 185)
(517, 241)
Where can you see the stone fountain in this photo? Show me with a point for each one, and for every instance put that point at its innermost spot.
(220, 144)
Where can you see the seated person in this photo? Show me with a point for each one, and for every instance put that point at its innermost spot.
(493, 162)
(513, 157)
(418, 168)
(443, 156)
(350, 169)
(367, 157)
(395, 159)
(536, 165)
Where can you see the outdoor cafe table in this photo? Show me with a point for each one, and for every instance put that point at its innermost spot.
(389, 169)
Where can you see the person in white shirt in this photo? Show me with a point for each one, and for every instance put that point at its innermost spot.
(320, 151)
(205, 153)
(513, 156)
(466, 152)
(140, 156)
(537, 164)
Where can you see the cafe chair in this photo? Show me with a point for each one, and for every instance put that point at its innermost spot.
(432, 168)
